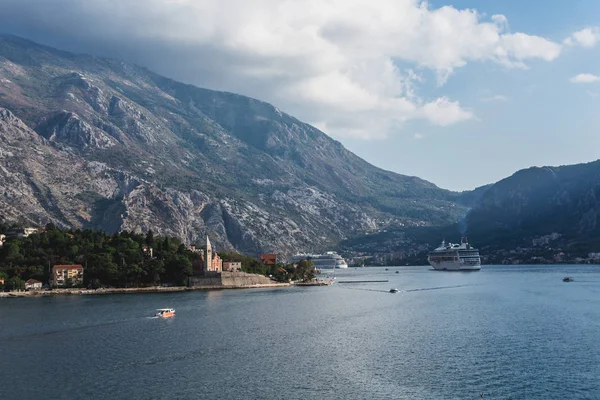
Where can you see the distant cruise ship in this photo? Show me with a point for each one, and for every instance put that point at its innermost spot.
(455, 257)
(329, 260)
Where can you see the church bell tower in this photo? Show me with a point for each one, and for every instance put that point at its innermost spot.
(208, 255)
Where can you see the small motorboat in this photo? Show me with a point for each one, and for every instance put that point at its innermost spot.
(397, 272)
(568, 279)
(394, 290)
(165, 312)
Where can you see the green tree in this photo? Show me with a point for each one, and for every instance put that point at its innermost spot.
(305, 271)
(100, 266)
(150, 238)
(178, 269)
(154, 269)
(280, 273)
(115, 260)
(135, 274)
(11, 252)
(15, 283)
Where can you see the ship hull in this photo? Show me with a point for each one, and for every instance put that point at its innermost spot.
(331, 266)
(454, 266)
(329, 260)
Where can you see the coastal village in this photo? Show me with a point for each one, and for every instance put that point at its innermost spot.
(160, 264)
(130, 261)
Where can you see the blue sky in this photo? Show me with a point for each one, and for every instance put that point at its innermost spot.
(438, 90)
(543, 120)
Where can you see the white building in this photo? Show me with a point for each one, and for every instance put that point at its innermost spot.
(232, 266)
(33, 284)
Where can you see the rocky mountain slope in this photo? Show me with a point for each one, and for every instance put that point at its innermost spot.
(538, 202)
(92, 142)
(539, 214)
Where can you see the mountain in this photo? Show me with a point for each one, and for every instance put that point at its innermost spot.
(88, 142)
(537, 215)
(541, 206)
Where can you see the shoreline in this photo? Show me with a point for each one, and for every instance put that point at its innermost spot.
(315, 282)
(152, 289)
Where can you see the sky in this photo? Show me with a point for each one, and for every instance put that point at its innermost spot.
(462, 93)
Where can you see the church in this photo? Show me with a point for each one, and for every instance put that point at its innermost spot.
(211, 262)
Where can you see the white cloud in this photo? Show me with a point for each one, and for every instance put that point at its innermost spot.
(444, 112)
(587, 37)
(585, 78)
(520, 47)
(418, 136)
(335, 63)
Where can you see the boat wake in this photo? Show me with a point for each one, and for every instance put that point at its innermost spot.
(436, 288)
(67, 330)
(405, 290)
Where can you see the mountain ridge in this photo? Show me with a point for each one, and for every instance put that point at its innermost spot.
(187, 161)
(548, 214)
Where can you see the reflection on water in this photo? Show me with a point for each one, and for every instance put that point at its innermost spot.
(214, 295)
(503, 332)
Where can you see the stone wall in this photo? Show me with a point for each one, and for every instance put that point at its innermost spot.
(243, 279)
(231, 279)
(213, 279)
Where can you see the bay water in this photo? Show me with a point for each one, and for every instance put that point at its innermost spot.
(505, 332)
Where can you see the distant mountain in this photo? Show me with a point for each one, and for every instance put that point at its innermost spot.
(539, 214)
(538, 202)
(100, 143)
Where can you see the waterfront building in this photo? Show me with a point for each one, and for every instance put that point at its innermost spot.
(268, 259)
(211, 262)
(62, 273)
(33, 284)
(232, 266)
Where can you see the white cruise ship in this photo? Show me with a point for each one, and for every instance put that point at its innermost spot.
(329, 260)
(455, 257)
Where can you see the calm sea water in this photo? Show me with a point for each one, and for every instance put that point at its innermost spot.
(501, 333)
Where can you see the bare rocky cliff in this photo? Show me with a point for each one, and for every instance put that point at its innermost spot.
(98, 143)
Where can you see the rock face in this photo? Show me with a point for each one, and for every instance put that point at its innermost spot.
(563, 202)
(41, 183)
(66, 127)
(99, 143)
(539, 214)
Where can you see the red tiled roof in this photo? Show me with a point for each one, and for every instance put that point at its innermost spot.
(31, 282)
(74, 266)
(268, 258)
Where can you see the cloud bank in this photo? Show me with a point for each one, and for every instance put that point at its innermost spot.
(351, 67)
(585, 78)
(587, 37)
